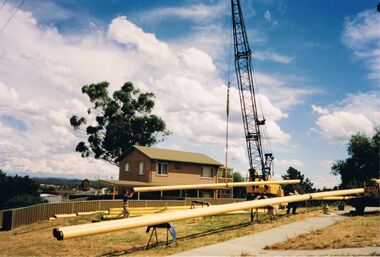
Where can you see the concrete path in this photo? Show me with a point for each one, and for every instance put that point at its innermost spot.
(254, 244)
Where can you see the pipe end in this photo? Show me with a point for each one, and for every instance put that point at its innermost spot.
(57, 234)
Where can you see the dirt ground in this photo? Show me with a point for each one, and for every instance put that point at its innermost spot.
(37, 239)
(352, 232)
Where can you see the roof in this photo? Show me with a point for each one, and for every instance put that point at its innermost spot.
(176, 156)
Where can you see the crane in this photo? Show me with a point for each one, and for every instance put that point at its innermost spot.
(258, 160)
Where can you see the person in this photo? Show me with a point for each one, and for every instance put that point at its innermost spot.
(292, 206)
(128, 194)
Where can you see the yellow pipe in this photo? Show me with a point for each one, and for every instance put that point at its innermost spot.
(214, 185)
(335, 198)
(115, 225)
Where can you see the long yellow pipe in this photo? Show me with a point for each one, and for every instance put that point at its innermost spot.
(115, 225)
(214, 185)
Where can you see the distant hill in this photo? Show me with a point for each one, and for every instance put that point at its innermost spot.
(62, 181)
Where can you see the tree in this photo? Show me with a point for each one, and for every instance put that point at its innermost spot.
(362, 163)
(239, 192)
(85, 185)
(305, 186)
(18, 191)
(120, 121)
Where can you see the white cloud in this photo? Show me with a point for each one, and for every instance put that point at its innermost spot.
(7, 95)
(272, 56)
(319, 110)
(362, 35)
(42, 76)
(327, 164)
(125, 32)
(356, 113)
(341, 125)
(196, 13)
(282, 91)
(325, 181)
(197, 59)
(283, 165)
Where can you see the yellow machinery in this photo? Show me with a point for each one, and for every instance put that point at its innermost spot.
(265, 189)
(370, 198)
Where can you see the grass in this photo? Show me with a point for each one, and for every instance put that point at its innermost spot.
(352, 232)
(37, 240)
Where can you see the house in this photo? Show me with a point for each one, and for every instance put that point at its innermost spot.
(167, 167)
(158, 166)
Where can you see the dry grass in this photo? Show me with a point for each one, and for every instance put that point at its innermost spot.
(37, 240)
(355, 231)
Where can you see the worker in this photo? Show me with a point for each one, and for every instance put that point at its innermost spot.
(292, 206)
(128, 194)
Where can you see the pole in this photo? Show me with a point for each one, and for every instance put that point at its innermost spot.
(128, 223)
(215, 185)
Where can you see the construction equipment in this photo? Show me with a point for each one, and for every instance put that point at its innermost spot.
(121, 224)
(258, 159)
(370, 198)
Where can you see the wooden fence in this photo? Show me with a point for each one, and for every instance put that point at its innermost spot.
(27, 215)
(13, 218)
(185, 202)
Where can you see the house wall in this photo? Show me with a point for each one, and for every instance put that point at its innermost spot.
(185, 174)
(134, 158)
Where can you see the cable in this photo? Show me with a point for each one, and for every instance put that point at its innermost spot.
(13, 14)
(2, 5)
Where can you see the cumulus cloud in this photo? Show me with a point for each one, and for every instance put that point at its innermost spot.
(125, 32)
(356, 113)
(42, 76)
(362, 35)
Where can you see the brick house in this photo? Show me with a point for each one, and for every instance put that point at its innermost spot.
(157, 166)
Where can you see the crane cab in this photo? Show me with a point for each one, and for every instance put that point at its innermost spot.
(264, 191)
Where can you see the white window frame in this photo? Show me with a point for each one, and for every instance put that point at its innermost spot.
(211, 169)
(141, 168)
(159, 164)
(127, 167)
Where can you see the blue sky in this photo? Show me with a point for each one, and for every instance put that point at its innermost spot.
(317, 66)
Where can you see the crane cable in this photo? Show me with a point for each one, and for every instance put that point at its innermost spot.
(13, 14)
(2, 5)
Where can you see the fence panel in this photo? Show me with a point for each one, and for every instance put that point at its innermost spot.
(31, 214)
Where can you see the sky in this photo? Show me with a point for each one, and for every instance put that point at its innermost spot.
(316, 64)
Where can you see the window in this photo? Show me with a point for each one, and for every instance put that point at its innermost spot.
(141, 168)
(162, 168)
(126, 167)
(207, 172)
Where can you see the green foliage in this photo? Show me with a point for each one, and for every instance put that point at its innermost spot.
(238, 177)
(239, 192)
(23, 200)
(85, 185)
(306, 186)
(362, 163)
(122, 120)
(17, 191)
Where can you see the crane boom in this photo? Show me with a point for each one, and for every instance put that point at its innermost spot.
(245, 81)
